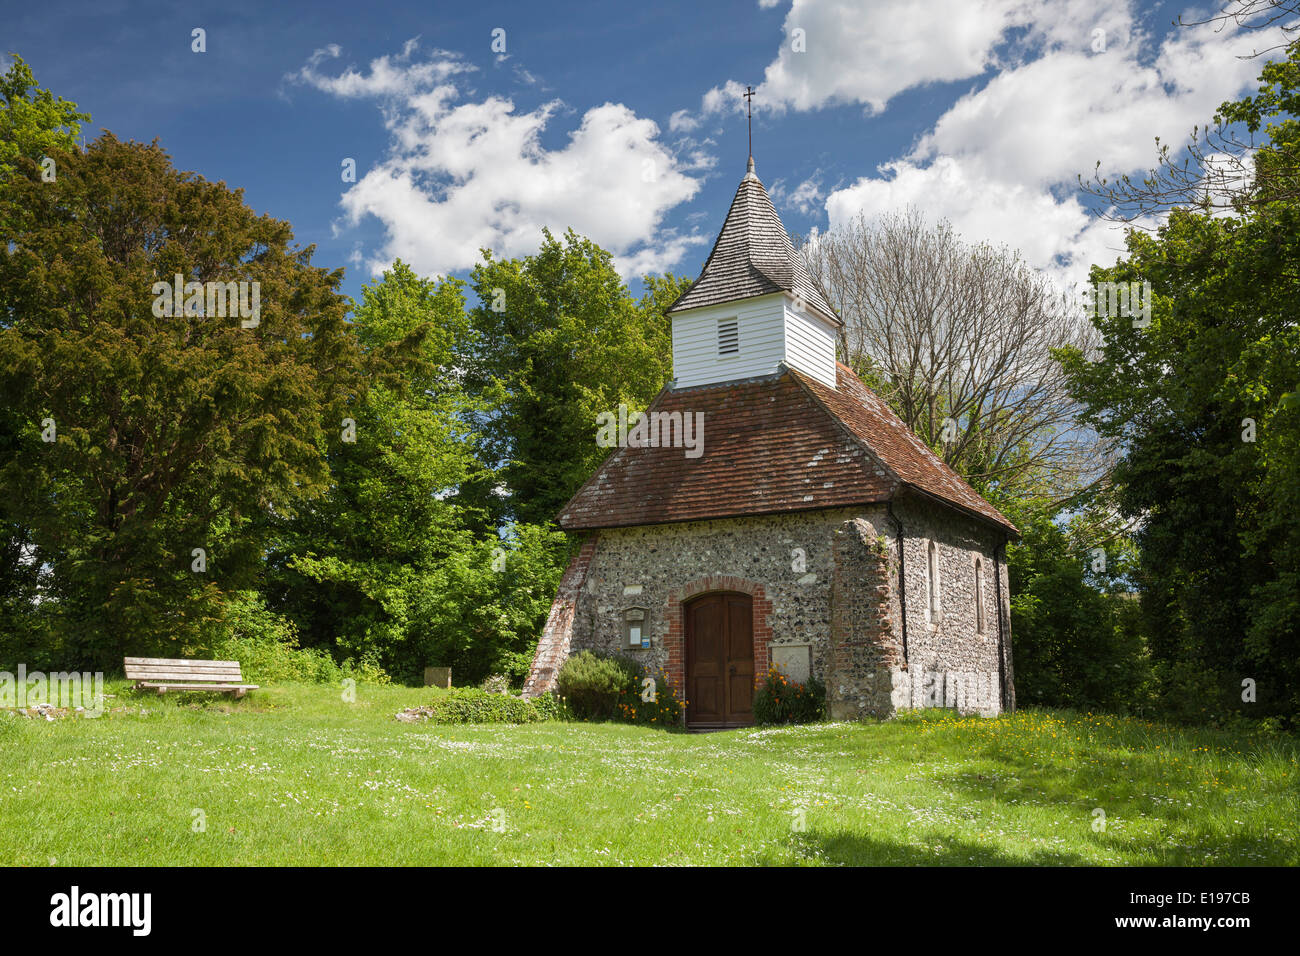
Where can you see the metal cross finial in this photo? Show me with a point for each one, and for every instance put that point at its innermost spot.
(749, 116)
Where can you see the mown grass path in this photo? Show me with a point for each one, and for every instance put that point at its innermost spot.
(295, 775)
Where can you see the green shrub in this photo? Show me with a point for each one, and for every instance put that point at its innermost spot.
(470, 705)
(599, 686)
(464, 613)
(550, 707)
(665, 710)
(1193, 694)
(593, 684)
(779, 700)
(270, 663)
(266, 646)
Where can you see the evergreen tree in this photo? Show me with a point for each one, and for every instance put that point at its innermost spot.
(149, 444)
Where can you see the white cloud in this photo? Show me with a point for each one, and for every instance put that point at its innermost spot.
(1054, 117)
(464, 174)
(1074, 82)
(867, 53)
(660, 257)
(805, 197)
(388, 76)
(1057, 235)
(682, 121)
(1001, 163)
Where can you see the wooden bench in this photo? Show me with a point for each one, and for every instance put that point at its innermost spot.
(163, 675)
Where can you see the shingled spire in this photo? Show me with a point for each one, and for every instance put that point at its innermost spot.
(753, 256)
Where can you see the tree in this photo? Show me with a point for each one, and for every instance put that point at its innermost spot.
(393, 564)
(557, 339)
(1228, 166)
(1075, 627)
(33, 122)
(958, 339)
(1205, 402)
(152, 444)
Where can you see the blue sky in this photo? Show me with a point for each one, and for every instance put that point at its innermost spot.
(624, 120)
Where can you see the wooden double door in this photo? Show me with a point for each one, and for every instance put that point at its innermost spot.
(720, 661)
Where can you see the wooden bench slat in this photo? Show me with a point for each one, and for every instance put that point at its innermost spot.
(181, 666)
(184, 685)
(182, 670)
(181, 678)
(155, 661)
(140, 668)
(182, 675)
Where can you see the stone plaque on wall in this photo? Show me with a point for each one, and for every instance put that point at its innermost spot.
(793, 660)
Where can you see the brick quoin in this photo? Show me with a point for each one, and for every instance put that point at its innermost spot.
(675, 641)
(553, 645)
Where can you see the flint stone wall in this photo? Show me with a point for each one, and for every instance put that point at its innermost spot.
(948, 656)
(827, 579)
(642, 566)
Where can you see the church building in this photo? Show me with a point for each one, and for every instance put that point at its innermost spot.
(807, 528)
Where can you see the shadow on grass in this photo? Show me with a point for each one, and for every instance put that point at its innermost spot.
(194, 700)
(852, 849)
(1128, 787)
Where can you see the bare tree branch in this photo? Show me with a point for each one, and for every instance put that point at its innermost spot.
(958, 339)
(1254, 15)
(1222, 170)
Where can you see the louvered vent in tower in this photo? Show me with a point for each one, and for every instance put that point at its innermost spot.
(728, 336)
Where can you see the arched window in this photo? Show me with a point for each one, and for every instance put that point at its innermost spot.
(979, 595)
(934, 582)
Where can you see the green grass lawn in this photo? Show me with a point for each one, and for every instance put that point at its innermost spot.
(294, 775)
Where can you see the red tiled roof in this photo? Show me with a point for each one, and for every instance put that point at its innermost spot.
(873, 422)
(767, 447)
(776, 444)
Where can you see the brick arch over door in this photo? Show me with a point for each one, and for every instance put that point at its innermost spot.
(675, 641)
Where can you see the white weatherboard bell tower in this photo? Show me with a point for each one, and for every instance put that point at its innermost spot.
(754, 306)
